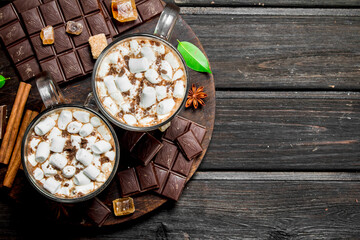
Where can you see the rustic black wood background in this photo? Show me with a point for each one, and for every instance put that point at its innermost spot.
(285, 151)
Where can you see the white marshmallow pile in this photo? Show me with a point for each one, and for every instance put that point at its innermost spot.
(87, 135)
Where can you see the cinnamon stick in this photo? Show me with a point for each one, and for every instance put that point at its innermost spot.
(16, 123)
(15, 161)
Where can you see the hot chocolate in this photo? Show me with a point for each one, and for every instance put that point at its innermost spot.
(141, 81)
(70, 152)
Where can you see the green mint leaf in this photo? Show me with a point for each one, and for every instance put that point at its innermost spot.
(193, 57)
(2, 80)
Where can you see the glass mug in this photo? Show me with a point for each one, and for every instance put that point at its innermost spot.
(162, 34)
(55, 102)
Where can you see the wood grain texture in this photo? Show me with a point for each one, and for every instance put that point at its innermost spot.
(225, 209)
(294, 130)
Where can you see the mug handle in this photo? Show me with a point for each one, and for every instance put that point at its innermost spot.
(50, 92)
(166, 23)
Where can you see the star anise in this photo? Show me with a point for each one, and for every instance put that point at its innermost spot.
(195, 97)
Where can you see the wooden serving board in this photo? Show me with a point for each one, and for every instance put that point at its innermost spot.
(76, 92)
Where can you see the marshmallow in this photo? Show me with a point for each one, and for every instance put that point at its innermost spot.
(130, 119)
(146, 120)
(164, 127)
(75, 141)
(172, 60)
(64, 119)
(113, 57)
(86, 129)
(165, 106)
(160, 92)
(31, 160)
(110, 84)
(104, 133)
(101, 147)
(74, 127)
(34, 142)
(178, 74)
(159, 49)
(38, 174)
(149, 54)
(55, 132)
(101, 89)
(96, 160)
(101, 178)
(147, 97)
(84, 156)
(104, 68)
(152, 76)
(91, 140)
(64, 191)
(106, 167)
(52, 185)
(58, 161)
(57, 144)
(118, 98)
(179, 89)
(123, 50)
(82, 116)
(123, 83)
(80, 179)
(91, 172)
(48, 169)
(166, 70)
(85, 188)
(95, 121)
(54, 116)
(137, 65)
(134, 46)
(42, 152)
(110, 155)
(44, 126)
(110, 105)
(68, 171)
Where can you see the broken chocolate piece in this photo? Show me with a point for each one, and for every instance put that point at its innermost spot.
(98, 212)
(189, 145)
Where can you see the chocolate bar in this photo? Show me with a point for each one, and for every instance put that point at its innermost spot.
(98, 212)
(2, 120)
(21, 37)
(137, 180)
(189, 145)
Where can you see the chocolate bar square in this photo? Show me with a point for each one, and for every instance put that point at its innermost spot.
(12, 33)
(178, 126)
(162, 175)
(20, 51)
(198, 131)
(83, 38)
(128, 182)
(22, 6)
(98, 212)
(51, 13)
(166, 155)
(62, 41)
(28, 69)
(149, 9)
(123, 26)
(52, 66)
(130, 139)
(42, 51)
(97, 24)
(189, 145)
(86, 58)
(182, 165)
(70, 65)
(174, 186)
(70, 9)
(146, 149)
(147, 177)
(90, 5)
(7, 14)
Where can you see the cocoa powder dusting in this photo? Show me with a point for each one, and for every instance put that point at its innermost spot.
(83, 143)
(57, 177)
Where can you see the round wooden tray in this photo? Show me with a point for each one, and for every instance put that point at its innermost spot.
(77, 92)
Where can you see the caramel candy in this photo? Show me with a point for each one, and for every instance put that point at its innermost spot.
(47, 35)
(123, 206)
(124, 10)
(97, 44)
(74, 27)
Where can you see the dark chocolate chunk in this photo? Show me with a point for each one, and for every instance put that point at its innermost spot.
(149, 9)
(189, 145)
(86, 58)
(123, 26)
(12, 33)
(146, 149)
(7, 14)
(62, 41)
(97, 24)
(90, 5)
(162, 175)
(83, 38)
(70, 9)
(98, 212)
(129, 184)
(112, 29)
(70, 65)
(20, 51)
(42, 51)
(198, 131)
(174, 186)
(178, 126)
(130, 139)
(137, 180)
(51, 13)
(107, 4)
(22, 6)
(182, 165)
(166, 155)
(32, 20)
(53, 67)
(2, 120)
(28, 69)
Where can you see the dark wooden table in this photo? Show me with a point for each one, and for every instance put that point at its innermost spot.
(285, 151)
